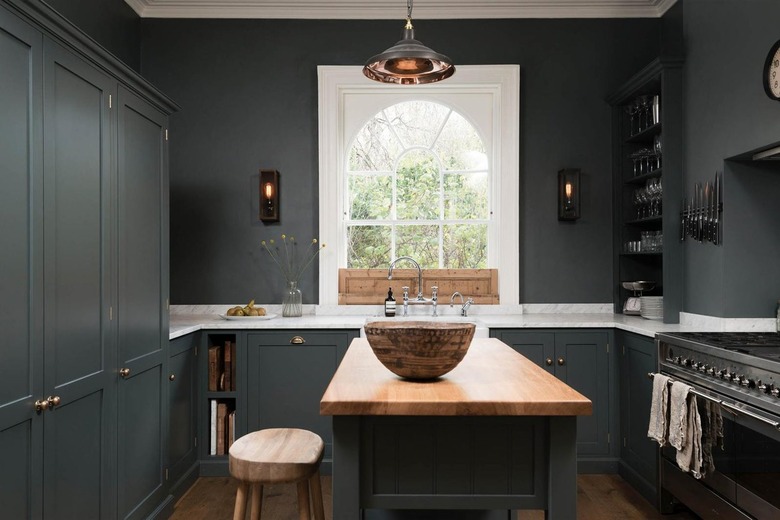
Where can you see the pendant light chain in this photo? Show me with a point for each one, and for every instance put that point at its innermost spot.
(409, 5)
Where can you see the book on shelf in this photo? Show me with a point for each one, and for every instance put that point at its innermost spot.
(213, 427)
(215, 367)
(228, 367)
(233, 366)
(220, 433)
(231, 436)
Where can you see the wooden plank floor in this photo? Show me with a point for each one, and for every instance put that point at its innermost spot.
(599, 497)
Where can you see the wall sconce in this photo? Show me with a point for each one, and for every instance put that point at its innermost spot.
(569, 194)
(269, 195)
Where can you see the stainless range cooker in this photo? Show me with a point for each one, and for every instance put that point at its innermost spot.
(740, 371)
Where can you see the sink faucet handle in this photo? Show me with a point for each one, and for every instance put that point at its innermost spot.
(434, 292)
(405, 289)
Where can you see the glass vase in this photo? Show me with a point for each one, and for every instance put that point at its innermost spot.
(292, 302)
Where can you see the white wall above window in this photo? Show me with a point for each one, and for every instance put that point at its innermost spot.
(489, 95)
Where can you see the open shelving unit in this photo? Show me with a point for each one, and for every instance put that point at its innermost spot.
(663, 78)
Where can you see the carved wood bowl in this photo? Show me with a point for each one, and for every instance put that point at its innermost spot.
(419, 349)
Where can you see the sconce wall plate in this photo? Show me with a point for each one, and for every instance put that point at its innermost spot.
(269, 195)
(569, 194)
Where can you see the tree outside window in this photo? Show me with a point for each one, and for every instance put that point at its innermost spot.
(417, 184)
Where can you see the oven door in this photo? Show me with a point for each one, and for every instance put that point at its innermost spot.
(747, 464)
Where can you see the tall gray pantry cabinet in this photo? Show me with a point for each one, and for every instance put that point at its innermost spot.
(83, 276)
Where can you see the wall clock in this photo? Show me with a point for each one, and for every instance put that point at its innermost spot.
(772, 72)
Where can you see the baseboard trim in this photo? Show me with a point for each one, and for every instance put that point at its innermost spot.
(647, 489)
(597, 466)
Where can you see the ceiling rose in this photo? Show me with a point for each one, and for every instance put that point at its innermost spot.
(388, 9)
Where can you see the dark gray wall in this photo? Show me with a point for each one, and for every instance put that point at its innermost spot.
(248, 91)
(111, 23)
(727, 113)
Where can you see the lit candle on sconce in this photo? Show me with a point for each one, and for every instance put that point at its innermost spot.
(269, 195)
(569, 194)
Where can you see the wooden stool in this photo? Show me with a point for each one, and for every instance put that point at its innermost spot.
(275, 456)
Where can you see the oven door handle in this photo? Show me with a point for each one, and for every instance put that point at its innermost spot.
(737, 411)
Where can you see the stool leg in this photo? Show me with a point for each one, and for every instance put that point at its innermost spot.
(257, 502)
(239, 513)
(316, 496)
(303, 500)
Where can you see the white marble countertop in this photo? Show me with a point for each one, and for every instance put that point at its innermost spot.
(185, 323)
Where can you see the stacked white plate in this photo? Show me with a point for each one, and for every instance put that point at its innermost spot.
(652, 307)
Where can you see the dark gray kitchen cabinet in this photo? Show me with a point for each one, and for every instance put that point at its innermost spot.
(183, 411)
(21, 268)
(79, 357)
(638, 453)
(142, 317)
(287, 374)
(86, 286)
(582, 359)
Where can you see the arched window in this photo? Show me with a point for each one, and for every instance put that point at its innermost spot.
(417, 179)
(429, 171)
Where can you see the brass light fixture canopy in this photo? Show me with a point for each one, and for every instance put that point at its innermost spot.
(409, 62)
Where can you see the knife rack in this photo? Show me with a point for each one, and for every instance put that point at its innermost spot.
(700, 216)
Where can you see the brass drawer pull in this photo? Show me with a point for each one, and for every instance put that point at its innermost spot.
(561, 361)
(548, 362)
(297, 340)
(124, 372)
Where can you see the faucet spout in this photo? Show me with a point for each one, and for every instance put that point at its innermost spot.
(419, 273)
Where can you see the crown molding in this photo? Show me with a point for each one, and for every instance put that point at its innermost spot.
(395, 9)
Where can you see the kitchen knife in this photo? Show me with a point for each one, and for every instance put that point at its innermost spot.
(708, 234)
(683, 219)
(718, 195)
(705, 212)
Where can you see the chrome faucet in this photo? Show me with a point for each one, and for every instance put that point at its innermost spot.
(419, 274)
(464, 309)
(420, 298)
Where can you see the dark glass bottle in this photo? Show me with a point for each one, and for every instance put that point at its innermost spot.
(390, 304)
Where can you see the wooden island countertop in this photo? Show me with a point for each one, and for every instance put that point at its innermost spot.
(492, 379)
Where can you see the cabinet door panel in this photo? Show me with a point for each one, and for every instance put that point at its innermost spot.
(78, 351)
(286, 382)
(182, 410)
(21, 274)
(142, 325)
(586, 369)
(76, 462)
(18, 471)
(140, 443)
(639, 452)
(536, 346)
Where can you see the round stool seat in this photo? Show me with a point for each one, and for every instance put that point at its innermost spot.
(276, 455)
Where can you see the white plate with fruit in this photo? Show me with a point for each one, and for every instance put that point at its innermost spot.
(247, 313)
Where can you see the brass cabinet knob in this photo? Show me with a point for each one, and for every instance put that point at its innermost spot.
(124, 372)
(297, 340)
(53, 400)
(561, 361)
(172, 377)
(548, 362)
(41, 405)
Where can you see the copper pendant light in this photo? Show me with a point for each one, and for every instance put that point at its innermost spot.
(408, 62)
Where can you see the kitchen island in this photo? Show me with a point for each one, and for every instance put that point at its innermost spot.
(495, 434)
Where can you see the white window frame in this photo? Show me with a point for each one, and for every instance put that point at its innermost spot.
(340, 84)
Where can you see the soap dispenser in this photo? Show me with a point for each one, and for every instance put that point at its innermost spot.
(390, 304)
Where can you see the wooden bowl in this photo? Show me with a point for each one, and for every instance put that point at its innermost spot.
(419, 349)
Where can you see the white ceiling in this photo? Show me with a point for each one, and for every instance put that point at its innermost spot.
(396, 9)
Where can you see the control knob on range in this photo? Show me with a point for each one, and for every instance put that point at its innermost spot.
(747, 382)
(703, 367)
(722, 373)
(775, 391)
(763, 388)
(711, 371)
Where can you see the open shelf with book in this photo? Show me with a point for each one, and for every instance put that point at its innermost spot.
(220, 399)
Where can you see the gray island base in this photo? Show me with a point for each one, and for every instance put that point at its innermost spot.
(496, 434)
